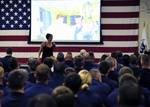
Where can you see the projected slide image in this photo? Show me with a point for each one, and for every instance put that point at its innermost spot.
(67, 20)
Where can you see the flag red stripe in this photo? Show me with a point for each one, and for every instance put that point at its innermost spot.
(121, 3)
(120, 26)
(14, 38)
(121, 38)
(74, 49)
(105, 38)
(120, 15)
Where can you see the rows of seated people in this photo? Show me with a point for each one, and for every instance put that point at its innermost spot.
(117, 80)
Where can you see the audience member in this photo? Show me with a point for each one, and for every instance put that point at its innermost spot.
(42, 100)
(41, 86)
(64, 96)
(16, 98)
(145, 71)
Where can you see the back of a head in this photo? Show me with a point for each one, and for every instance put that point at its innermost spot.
(127, 78)
(129, 95)
(83, 52)
(91, 55)
(125, 70)
(103, 57)
(9, 50)
(13, 63)
(48, 61)
(145, 61)
(112, 61)
(78, 61)
(95, 74)
(63, 96)
(133, 59)
(73, 81)
(69, 70)
(126, 60)
(33, 63)
(16, 79)
(68, 56)
(104, 67)
(114, 54)
(59, 67)
(42, 100)
(86, 79)
(60, 57)
(42, 73)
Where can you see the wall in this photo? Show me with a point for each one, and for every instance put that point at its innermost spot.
(145, 17)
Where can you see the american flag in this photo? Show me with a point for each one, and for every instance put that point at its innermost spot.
(15, 14)
(120, 25)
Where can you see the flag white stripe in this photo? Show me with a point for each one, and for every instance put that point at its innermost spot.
(120, 20)
(14, 32)
(120, 9)
(120, 32)
(106, 44)
(104, 32)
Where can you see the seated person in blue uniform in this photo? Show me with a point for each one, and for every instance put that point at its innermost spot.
(33, 63)
(41, 86)
(97, 86)
(6, 60)
(64, 96)
(69, 60)
(73, 81)
(85, 94)
(129, 95)
(58, 75)
(16, 98)
(145, 71)
(42, 100)
(104, 68)
(113, 73)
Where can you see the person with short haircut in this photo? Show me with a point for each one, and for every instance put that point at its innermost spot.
(47, 47)
(97, 86)
(134, 65)
(69, 70)
(49, 62)
(58, 75)
(126, 60)
(16, 98)
(145, 71)
(42, 100)
(60, 57)
(41, 86)
(64, 96)
(69, 60)
(125, 70)
(33, 63)
(78, 63)
(113, 73)
(73, 82)
(127, 78)
(89, 62)
(129, 95)
(104, 68)
(7, 60)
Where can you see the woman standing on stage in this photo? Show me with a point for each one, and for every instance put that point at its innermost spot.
(47, 47)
